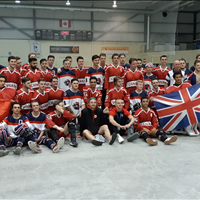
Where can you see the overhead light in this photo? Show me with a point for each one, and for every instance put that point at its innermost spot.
(114, 4)
(17, 1)
(68, 3)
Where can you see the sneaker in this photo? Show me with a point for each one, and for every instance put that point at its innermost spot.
(151, 142)
(113, 138)
(73, 142)
(3, 151)
(17, 150)
(135, 136)
(97, 143)
(120, 139)
(59, 145)
(33, 146)
(170, 140)
(100, 138)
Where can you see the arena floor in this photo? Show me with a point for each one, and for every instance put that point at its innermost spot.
(127, 171)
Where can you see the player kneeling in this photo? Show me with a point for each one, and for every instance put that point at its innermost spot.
(15, 131)
(146, 122)
(38, 120)
(92, 124)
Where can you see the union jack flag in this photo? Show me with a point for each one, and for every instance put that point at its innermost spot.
(179, 109)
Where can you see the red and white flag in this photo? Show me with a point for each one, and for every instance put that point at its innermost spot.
(65, 23)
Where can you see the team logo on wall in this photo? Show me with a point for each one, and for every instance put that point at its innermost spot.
(76, 106)
(67, 82)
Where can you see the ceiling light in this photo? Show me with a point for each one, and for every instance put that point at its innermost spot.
(17, 1)
(114, 4)
(68, 3)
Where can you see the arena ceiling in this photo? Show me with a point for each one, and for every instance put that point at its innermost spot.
(143, 7)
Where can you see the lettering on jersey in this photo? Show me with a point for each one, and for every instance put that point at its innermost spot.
(76, 106)
(44, 106)
(81, 81)
(11, 85)
(111, 79)
(162, 81)
(34, 85)
(147, 123)
(67, 82)
(131, 84)
(26, 106)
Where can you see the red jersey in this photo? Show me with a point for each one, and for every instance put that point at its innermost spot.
(130, 79)
(174, 88)
(43, 100)
(161, 74)
(24, 99)
(13, 78)
(54, 95)
(26, 66)
(143, 70)
(8, 93)
(153, 93)
(145, 119)
(114, 94)
(34, 76)
(114, 111)
(60, 120)
(80, 75)
(110, 73)
(88, 93)
(47, 76)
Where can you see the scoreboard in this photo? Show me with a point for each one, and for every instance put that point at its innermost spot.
(63, 35)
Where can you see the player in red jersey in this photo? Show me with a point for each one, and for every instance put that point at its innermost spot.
(146, 123)
(27, 65)
(18, 65)
(154, 92)
(6, 93)
(42, 96)
(161, 71)
(178, 83)
(55, 93)
(102, 59)
(80, 72)
(139, 66)
(112, 70)
(91, 91)
(132, 75)
(13, 76)
(118, 92)
(24, 96)
(47, 74)
(33, 73)
(58, 120)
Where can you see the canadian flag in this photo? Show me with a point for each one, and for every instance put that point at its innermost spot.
(65, 23)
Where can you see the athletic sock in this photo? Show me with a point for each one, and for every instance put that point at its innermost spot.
(162, 135)
(144, 135)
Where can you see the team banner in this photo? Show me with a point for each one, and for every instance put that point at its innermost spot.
(64, 49)
(179, 109)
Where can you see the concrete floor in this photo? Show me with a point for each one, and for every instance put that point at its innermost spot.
(127, 171)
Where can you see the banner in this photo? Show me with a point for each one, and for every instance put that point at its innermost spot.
(112, 50)
(64, 49)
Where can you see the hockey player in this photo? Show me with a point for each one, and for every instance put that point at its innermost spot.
(169, 78)
(148, 77)
(15, 131)
(131, 76)
(38, 121)
(92, 124)
(6, 93)
(80, 72)
(65, 76)
(139, 66)
(92, 91)
(186, 71)
(154, 92)
(194, 78)
(50, 60)
(24, 96)
(13, 76)
(113, 70)
(118, 92)
(27, 65)
(55, 93)
(59, 121)
(42, 96)
(122, 61)
(121, 121)
(161, 71)
(74, 103)
(96, 71)
(18, 65)
(47, 74)
(102, 61)
(33, 73)
(136, 96)
(146, 123)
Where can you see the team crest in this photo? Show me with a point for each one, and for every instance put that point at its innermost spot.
(67, 82)
(76, 106)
